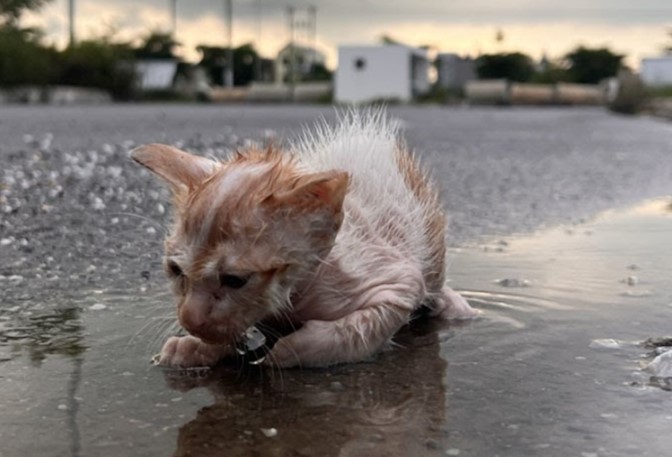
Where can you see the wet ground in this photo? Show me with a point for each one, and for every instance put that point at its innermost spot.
(554, 367)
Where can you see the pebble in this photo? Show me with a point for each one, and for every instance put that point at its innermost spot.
(605, 343)
(151, 230)
(631, 280)
(6, 241)
(452, 451)
(97, 307)
(269, 432)
(512, 282)
(661, 366)
(98, 204)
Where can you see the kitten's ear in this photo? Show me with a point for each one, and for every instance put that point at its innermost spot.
(316, 191)
(180, 169)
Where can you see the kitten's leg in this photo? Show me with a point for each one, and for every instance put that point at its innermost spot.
(451, 305)
(349, 339)
(188, 351)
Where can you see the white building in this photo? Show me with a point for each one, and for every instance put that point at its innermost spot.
(657, 71)
(454, 71)
(390, 71)
(155, 74)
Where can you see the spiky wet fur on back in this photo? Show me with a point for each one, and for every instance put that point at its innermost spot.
(391, 201)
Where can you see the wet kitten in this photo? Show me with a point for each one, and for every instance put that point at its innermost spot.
(343, 236)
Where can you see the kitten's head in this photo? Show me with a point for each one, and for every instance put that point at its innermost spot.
(247, 230)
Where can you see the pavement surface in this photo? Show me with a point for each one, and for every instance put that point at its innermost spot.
(81, 230)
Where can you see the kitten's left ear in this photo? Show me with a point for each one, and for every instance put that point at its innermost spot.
(316, 191)
(180, 169)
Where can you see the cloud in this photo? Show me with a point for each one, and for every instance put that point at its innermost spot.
(534, 27)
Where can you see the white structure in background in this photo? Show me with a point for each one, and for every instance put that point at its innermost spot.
(454, 71)
(657, 71)
(155, 74)
(389, 71)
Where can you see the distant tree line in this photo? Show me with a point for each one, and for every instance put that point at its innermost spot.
(104, 62)
(582, 65)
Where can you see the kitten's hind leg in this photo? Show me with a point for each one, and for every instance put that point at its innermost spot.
(450, 305)
(188, 351)
(349, 339)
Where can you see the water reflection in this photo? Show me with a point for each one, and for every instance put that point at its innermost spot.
(395, 405)
(41, 333)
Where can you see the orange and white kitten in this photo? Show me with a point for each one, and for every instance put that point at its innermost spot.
(343, 235)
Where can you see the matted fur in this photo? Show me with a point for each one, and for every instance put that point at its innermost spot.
(342, 235)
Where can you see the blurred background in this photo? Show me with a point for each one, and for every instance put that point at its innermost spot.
(515, 52)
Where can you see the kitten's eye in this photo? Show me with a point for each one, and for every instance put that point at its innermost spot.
(174, 270)
(232, 281)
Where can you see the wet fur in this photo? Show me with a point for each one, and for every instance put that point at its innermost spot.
(343, 236)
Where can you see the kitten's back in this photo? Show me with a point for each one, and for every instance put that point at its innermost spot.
(387, 188)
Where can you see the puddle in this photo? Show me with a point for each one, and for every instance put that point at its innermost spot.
(553, 367)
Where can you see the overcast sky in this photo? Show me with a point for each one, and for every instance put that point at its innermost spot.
(635, 28)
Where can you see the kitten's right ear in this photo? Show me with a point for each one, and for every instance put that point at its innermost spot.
(180, 169)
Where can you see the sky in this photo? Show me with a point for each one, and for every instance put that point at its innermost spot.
(536, 27)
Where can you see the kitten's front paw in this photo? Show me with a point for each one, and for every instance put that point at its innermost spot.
(453, 306)
(188, 352)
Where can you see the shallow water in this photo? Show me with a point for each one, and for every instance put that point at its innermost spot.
(527, 378)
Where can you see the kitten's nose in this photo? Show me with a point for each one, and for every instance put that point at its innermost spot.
(194, 314)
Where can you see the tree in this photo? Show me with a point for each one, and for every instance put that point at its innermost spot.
(157, 45)
(590, 66)
(512, 66)
(24, 60)
(11, 10)
(214, 60)
(99, 63)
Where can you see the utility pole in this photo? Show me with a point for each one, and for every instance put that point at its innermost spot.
(174, 18)
(292, 53)
(312, 24)
(71, 20)
(257, 63)
(228, 71)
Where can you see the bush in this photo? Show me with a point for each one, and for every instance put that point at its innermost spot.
(99, 64)
(23, 60)
(513, 66)
(590, 66)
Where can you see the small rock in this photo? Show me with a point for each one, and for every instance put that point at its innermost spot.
(657, 341)
(97, 307)
(452, 452)
(512, 282)
(151, 230)
(661, 366)
(336, 386)
(6, 241)
(269, 432)
(631, 280)
(605, 343)
(98, 204)
(145, 275)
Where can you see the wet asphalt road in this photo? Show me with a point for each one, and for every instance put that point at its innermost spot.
(501, 170)
(74, 208)
(78, 218)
